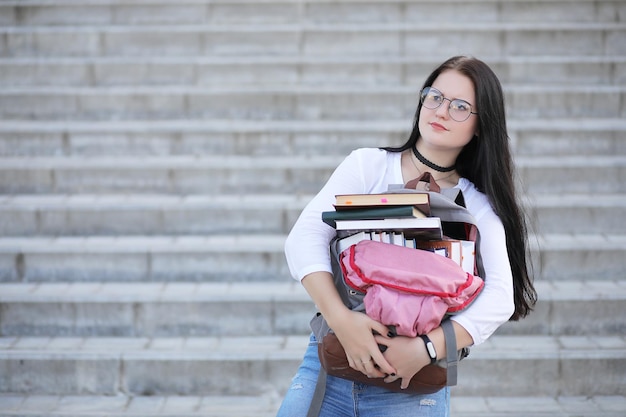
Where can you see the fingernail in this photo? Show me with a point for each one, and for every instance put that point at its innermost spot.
(390, 334)
(393, 374)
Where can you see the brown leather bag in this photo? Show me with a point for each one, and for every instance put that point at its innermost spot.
(428, 380)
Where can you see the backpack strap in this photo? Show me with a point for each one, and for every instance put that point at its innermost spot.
(318, 394)
(452, 358)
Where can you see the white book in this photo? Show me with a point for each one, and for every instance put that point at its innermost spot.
(346, 242)
(425, 228)
(468, 255)
(397, 238)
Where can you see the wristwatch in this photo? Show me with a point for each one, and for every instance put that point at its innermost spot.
(430, 348)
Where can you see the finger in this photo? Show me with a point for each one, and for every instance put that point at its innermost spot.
(391, 378)
(382, 341)
(384, 366)
(372, 371)
(405, 383)
(379, 358)
(381, 329)
(364, 364)
(352, 363)
(366, 367)
(359, 365)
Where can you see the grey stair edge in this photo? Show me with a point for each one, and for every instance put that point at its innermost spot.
(574, 199)
(286, 89)
(143, 244)
(252, 243)
(252, 2)
(155, 201)
(305, 59)
(537, 406)
(287, 290)
(270, 348)
(280, 291)
(124, 202)
(399, 27)
(12, 3)
(246, 125)
(139, 406)
(242, 348)
(221, 162)
(461, 406)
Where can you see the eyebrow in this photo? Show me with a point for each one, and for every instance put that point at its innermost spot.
(453, 98)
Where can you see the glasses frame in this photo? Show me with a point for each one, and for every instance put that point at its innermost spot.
(424, 92)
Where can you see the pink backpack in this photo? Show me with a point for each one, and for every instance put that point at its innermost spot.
(407, 288)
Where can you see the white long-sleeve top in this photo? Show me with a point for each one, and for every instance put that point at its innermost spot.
(372, 170)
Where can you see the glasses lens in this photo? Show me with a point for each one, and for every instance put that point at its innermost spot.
(431, 98)
(460, 110)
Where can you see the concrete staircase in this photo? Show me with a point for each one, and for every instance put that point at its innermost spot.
(154, 154)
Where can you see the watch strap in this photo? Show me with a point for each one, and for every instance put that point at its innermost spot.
(430, 348)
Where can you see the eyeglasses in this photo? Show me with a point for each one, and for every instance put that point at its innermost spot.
(459, 110)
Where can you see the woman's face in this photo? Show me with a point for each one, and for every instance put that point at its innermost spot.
(436, 126)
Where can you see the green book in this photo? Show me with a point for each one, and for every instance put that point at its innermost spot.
(373, 213)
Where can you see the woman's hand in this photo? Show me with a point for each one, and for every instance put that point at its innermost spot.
(407, 355)
(356, 332)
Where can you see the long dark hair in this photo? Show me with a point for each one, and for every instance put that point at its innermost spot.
(486, 161)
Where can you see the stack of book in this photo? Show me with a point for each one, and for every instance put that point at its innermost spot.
(396, 218)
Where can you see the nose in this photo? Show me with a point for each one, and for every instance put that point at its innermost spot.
(443, 111)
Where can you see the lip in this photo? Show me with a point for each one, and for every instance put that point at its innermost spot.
(437, 126)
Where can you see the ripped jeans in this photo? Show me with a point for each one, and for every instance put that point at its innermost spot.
(350, 399)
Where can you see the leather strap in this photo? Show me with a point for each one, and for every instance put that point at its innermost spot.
(425, 182)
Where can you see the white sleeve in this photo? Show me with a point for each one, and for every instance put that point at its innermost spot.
(306, 247)
(495, 305)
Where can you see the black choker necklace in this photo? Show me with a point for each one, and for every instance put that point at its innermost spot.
(430, 164)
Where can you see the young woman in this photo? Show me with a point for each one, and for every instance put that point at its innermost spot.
(460, 137)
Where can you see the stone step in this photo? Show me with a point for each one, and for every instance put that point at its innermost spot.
(327, 102)
(96, 13)
(23, 405)
(214, 258)
(576, 213)
(542, 365)
(156, 309)
(247, 258)
(554, 137)
(311, 70)
(500, 39)
(259, 309)
(184, 175)
(127, 215)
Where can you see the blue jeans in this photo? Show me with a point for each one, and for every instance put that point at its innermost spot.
(352, 399)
